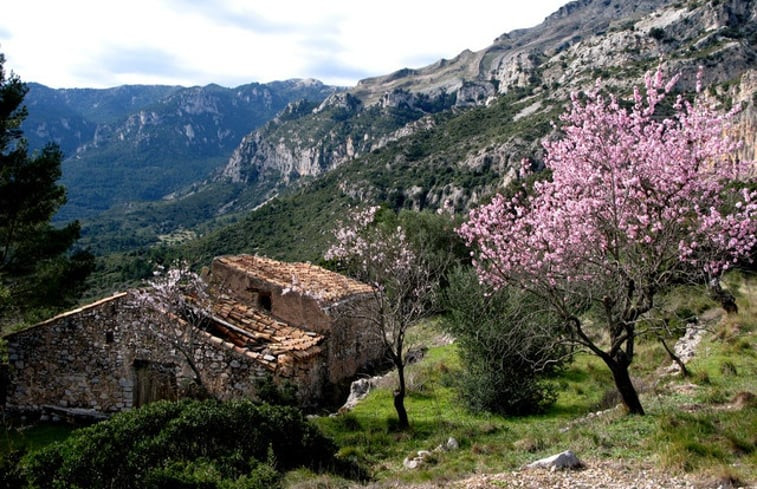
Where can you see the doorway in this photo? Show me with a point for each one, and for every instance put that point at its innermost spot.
(153, 381)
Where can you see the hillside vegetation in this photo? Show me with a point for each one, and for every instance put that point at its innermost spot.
(141, 143)
(278, 195)
(698, 430)
(702, 426)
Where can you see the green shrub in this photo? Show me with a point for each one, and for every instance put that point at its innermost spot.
(11, 473)
(657, 33)
(205, 475)
(508, 351)
(187, 444)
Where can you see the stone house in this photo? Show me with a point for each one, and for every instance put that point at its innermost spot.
(290, 322)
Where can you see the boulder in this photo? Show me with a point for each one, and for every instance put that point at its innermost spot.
(358, 390)
(452, 444)
(561, 461)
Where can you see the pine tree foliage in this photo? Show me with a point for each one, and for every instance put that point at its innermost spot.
(38, 273)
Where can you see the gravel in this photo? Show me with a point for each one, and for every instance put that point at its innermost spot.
(596, 475)
(602, 475)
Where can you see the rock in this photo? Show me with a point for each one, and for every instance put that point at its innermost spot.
(418, 460)
(358, 390)
(415, 356)
(452, 444)
(686, 347)
(561, 461)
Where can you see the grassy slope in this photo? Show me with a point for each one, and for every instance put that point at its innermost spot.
(687, 429)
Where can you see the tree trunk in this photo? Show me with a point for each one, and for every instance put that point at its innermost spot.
(625, 386)
(725, 298)
(675, 358)
(399, 399)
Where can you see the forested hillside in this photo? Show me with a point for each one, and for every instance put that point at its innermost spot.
(141, 143)
(311, 161)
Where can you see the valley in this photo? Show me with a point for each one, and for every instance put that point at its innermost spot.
(166, 177)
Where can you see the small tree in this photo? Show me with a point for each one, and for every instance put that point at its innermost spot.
(507, 345)
(178, 305)
(404, 280)
(636, 202)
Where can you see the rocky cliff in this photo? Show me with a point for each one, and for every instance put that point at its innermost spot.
(307, 141)
(616, 40)
(143, 142)
(451, 133)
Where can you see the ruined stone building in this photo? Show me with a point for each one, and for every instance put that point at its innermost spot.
(287, 321)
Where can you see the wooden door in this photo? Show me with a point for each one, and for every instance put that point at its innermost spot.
(153, 381)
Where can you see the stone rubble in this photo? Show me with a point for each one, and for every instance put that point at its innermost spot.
(423, 456)
(604, 474)
(599, 475)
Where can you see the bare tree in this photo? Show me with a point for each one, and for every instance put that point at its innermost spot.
(178, 305)
(404, 278)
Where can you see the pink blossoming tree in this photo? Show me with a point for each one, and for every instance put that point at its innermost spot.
(636, 202)
(403, 279)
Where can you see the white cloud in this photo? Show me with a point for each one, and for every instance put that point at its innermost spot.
(194, 42)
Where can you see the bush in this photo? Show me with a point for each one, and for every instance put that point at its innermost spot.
(508, 349)
(657, 33)
(205, 475)
(197, 444)
(11, 474)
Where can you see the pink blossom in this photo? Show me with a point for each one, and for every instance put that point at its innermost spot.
(630, 193)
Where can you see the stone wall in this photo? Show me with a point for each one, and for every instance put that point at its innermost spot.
(113, 354)
(293, 308)
(89, 358)
(355, 342)
(351, 343)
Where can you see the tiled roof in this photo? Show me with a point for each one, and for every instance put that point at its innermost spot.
(262, 337)
(313, 280)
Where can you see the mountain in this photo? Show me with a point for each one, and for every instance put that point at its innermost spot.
(133, 143)
(451, 133)
(69, 117)
(586, 39)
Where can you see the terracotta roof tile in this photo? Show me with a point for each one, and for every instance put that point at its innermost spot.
(314, 280)
(248, 329)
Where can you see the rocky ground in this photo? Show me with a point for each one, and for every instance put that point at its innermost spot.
(596, 474)
(608, 475)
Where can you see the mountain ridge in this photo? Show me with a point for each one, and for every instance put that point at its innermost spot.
(142, 142)
(584, 40)
(427, 148)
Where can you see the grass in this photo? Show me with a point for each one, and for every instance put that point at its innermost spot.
(31, 438)
(697, 429)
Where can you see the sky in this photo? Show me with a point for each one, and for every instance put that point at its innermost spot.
(106, 43)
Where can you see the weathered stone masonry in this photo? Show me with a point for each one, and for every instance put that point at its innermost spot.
(90, 359)
(312, 299)
(112, 355)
